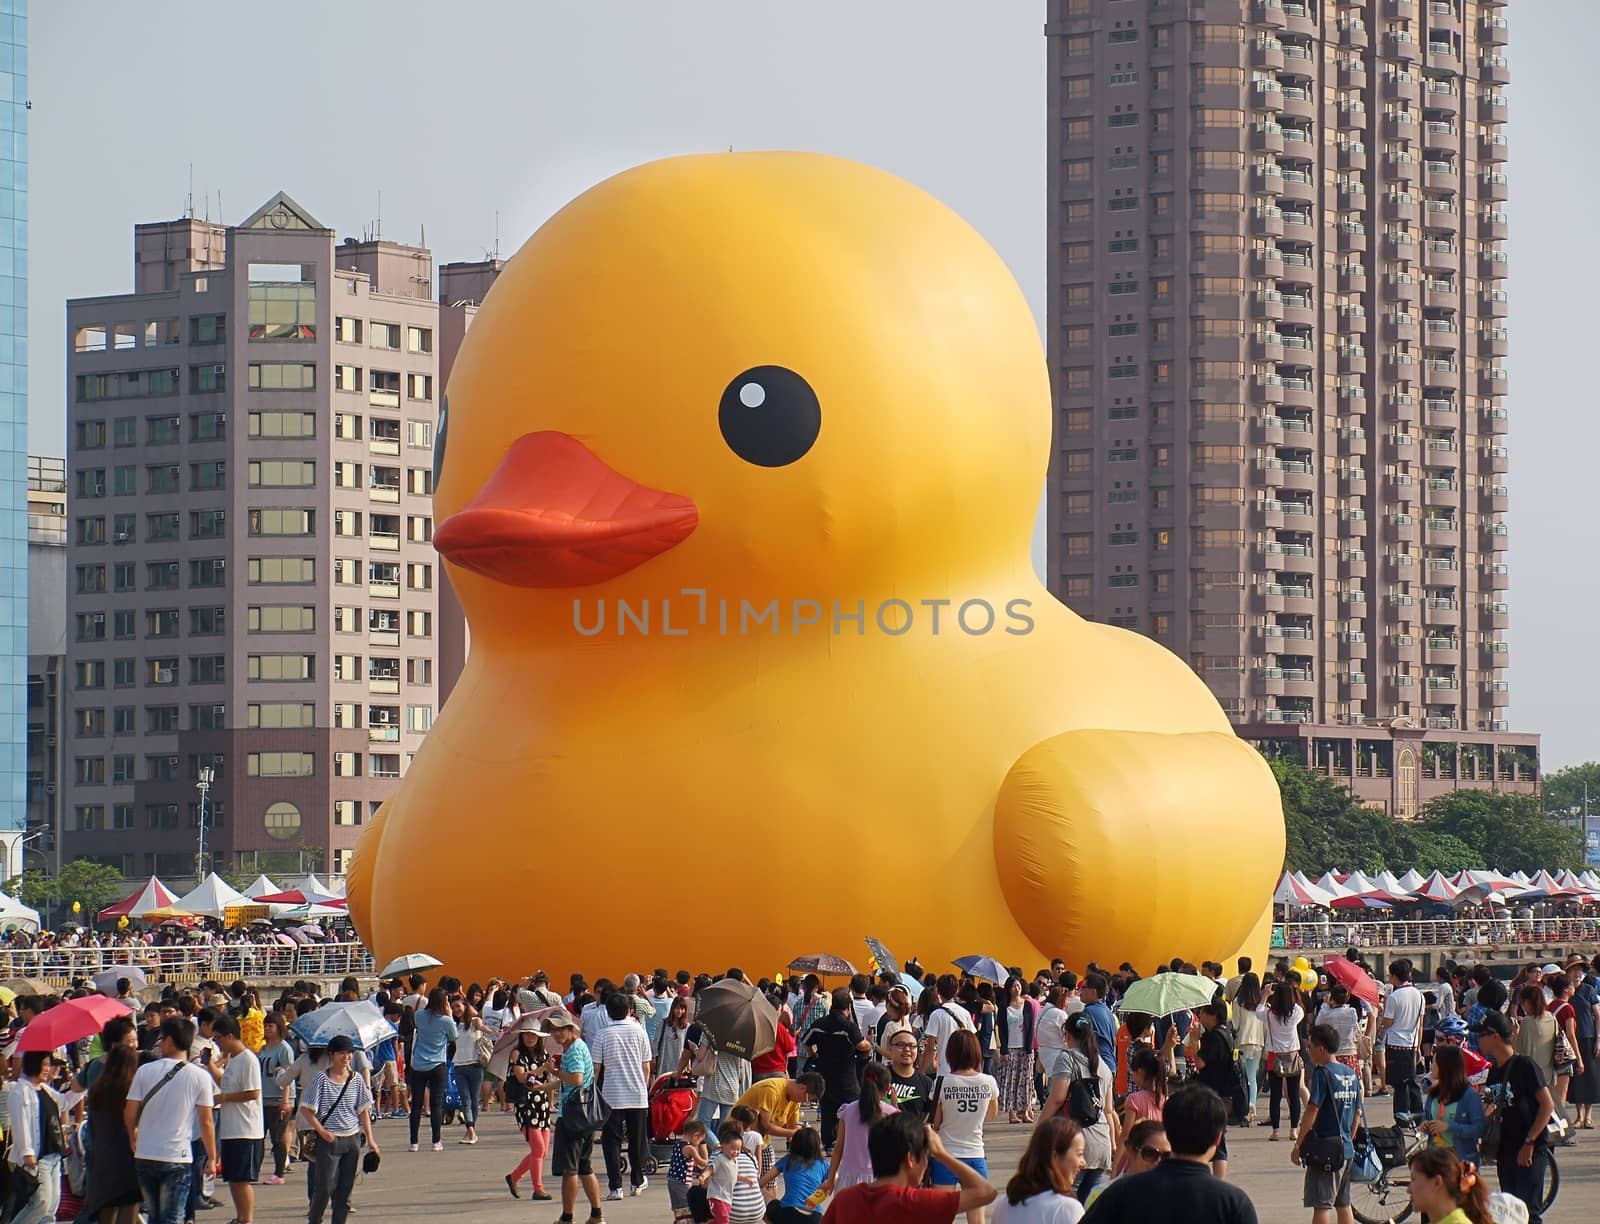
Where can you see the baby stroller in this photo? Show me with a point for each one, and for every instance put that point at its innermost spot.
(673, 1101)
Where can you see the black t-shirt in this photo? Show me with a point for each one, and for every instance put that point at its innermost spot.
(1514, 1092)
(1176, 1191)
(835, 1038)
(1216, 1051)
(912, 1094)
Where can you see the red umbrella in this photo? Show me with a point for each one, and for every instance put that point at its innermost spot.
(70, 1021)
(1357, 980)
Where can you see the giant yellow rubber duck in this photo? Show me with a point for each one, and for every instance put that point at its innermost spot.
(736, 479)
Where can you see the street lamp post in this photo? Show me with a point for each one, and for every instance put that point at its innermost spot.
(207, 776)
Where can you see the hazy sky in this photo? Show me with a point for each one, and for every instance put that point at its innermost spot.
(454, 110)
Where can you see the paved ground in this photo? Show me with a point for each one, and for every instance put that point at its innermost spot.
(466, 1182)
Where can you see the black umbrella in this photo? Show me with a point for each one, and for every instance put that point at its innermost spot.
(884, 957)
(828, 966)
(739, 1018)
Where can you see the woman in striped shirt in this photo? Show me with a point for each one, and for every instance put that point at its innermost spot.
(339, 1108)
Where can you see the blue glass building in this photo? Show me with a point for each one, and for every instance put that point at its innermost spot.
(13, 430)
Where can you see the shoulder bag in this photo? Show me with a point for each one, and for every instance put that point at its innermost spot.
(308, 1139)
(1325, 1152)
(585, 1110)
(704, 1060)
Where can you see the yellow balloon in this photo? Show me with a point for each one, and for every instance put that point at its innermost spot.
(77, 907)
(1308, 979)
(122, 923)
(736, 484)
(1301, 964)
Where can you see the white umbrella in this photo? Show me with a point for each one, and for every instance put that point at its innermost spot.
(411, 962)
(106, 980)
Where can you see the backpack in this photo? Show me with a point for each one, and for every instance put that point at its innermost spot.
(1085, 1105)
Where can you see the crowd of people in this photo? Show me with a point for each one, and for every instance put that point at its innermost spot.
(876, 1097)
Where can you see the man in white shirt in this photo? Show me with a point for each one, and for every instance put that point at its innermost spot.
(1402, 1035)
(866, 1011)
(167, 1097)
(947, 1018)
(622, 1059)
(240, 1129)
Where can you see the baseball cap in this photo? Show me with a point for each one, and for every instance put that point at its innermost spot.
(340, 1044)
(1493, 1022)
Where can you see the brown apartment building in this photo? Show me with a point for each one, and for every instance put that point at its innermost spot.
(1277, 331)
(251, 580)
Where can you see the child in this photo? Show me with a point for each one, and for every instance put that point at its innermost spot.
(749, 1199)
(399, 1095)
(755, 1143)
(803, 1170)
(683, 1173)
(724, 1173)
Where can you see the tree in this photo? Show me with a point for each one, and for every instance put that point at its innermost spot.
(1429, 851)
(1327, 827)
(237, 880)
(1564, 792)
(33, 888)
(1510, 832)
(93, 884)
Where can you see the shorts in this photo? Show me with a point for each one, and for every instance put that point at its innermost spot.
(570, 1151)
(678, 1195)
(721, 1210)
(241, 1160)
(1222, 1146)
(943, 1177)
(387, 1076)
(1328, 1187)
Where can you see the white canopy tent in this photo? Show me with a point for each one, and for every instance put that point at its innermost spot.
(1329, 883)
(211, 898)
(1412, 880)
(261, 886)
(15, 914)
(314, 889)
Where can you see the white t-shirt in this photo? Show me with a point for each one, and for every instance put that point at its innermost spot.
(1283, 1036)
(867, 1013)
(947, 1019)
(1048, 1030)
(240, 1119)
(164, 1125)
(623, 1049)
(966, 1105)
(1404, 1007)
(1046, 1207)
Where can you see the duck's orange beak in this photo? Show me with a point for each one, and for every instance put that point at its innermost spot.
(554, 515)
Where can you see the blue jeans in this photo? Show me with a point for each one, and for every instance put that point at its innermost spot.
(469, 1083)
(41, 1208)
(1250, 1064)
(165, 1187)
(197, 1179)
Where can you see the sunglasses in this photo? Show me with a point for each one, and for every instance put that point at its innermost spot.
(1153, 1155)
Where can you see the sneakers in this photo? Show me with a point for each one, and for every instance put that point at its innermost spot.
(611, 1196)
(636, 1191)
(439, 1147)
(411, 1147)
(274, 1180)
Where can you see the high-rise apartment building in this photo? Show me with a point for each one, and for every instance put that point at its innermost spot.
(1277, 332)
(13, 428)
(253, 585)
(47, 664)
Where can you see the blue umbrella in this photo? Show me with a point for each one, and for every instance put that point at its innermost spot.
(913, 986)
(984, 968)
(362, 1022)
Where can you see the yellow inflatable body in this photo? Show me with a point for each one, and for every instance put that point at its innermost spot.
(737, 475)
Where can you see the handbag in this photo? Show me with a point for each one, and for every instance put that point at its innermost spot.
(485, 1047)
(1564, 1054)
(1325, 1152)
(1286, 1064)
(308, 1139)
(1366, 1167)
(704, 1061)
(585, 1110)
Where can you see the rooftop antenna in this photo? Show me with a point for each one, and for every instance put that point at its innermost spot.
(188, 204)
(497, 233)
(377, 232)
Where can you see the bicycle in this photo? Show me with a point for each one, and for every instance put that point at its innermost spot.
(1387, 1198)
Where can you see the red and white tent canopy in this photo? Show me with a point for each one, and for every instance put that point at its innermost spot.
(1294, 892)
(153, 896)
(1437, 888)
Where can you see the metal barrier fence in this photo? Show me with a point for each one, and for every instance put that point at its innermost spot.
(1489, 933)
(252, 962)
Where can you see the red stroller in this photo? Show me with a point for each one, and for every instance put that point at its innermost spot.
(673, 1101)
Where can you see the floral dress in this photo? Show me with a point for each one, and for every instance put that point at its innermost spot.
(532, 1107)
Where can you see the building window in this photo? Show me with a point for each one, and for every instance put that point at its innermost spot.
(161, 478)
(419, 718)
(282, 821)
(347, 330)
(208, 329)
(283, 424)
(419, 671)
(384, 336)
(419, 339)
(122, 626)
(161, 623)
(207, 379)
(125, 431)
(282, 473)
(89, 674)
(283, 376)
(281, 571)
(282, 714)
(419, 386)
(123, 720)
(280, 764)
(123, 673)
(91, 626)
(282, 618)
(282, 303)
(277, 522)
(91, 723)
(90, 435)
(346, 812)
(347, 764)
(161, 576)
(162, 673)
(207, 669)
(282, 667)
(208, 717)
(210, 475)
(208, 572)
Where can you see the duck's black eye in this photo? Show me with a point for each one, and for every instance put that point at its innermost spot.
(769, 416)
(438, 440)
